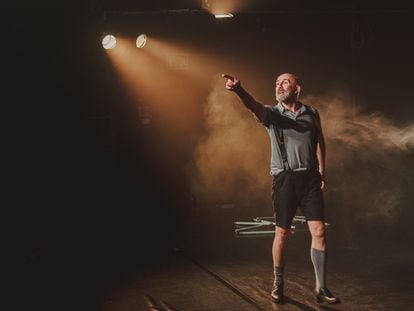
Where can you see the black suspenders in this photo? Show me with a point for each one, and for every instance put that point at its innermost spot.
(280, 139)
(281, 142)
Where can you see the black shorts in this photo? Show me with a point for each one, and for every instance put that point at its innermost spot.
(291, 190)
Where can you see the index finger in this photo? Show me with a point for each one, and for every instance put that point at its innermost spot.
(228, 77)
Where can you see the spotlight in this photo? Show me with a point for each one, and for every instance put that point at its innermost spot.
(227, 15)
(141, 41)
(109, 42)
(220, 8)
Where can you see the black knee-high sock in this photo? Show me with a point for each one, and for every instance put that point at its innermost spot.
(278, 271)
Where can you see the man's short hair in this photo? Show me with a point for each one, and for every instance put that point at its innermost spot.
(297, 80)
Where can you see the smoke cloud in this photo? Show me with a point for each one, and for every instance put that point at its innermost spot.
(369, 160)
(232, 158)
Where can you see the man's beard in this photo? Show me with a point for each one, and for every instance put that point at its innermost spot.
(287, 96)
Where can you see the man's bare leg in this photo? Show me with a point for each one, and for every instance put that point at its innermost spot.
(279, 245)
(318, 257)
(278, 252)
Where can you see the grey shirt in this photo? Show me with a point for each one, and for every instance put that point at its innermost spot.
(300, 133)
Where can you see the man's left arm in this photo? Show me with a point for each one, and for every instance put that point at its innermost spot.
(321, 151)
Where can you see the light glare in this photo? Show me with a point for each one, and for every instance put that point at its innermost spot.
(227, 15)
(109, 42)
(141, 41)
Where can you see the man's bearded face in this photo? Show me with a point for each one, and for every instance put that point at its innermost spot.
(285, 96)
(285, 89)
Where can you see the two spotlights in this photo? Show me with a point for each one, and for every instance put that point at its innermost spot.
(109, 41)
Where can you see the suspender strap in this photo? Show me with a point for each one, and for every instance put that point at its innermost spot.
(281, 143)
(279, 135)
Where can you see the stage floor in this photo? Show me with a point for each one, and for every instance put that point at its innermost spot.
(221, 272)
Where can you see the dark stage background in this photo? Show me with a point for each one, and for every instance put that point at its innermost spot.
(91, 189)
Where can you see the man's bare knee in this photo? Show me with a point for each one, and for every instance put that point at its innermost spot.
(317, 230)
(282, 234)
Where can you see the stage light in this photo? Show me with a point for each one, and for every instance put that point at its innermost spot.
(109, 42)
(227, 15)
(141, 41)
(222, 8)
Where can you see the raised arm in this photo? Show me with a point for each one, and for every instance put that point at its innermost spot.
(234, 85)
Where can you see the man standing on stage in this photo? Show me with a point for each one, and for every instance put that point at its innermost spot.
(298, 170)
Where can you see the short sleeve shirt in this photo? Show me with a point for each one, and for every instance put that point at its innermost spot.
(300, 132)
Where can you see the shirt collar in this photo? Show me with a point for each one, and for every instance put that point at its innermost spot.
(282, 108)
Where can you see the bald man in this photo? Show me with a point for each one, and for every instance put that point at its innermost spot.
(298, 170)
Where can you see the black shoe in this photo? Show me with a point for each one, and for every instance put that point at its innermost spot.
(277, 294)
(325, 296)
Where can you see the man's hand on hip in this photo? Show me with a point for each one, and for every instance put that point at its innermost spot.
(323, 182)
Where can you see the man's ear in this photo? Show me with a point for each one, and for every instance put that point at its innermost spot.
(297, 90)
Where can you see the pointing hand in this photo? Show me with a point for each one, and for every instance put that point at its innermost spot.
(232, 84)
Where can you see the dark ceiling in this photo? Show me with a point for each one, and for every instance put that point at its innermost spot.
(255, 5)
